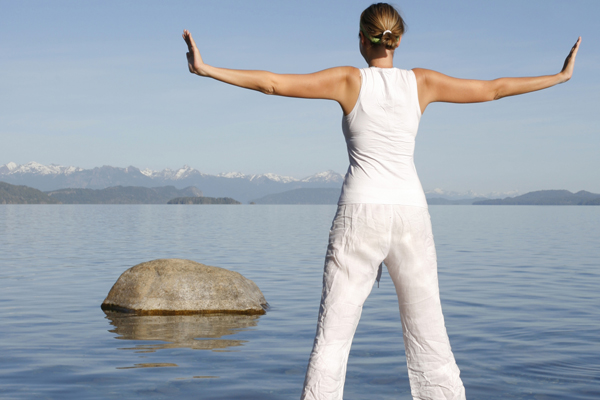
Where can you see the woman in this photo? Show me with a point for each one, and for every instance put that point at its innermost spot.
(382, 214)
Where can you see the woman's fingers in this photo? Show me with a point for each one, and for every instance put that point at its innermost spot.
(575, 48)
(570, 60)
(191, 43)
(189, 40)
(186, 37)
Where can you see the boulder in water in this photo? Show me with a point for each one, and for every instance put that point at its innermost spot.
(176, 286)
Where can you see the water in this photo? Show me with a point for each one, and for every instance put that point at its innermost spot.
(519, 289)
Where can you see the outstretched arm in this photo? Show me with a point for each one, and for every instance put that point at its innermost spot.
(434, 86)
(341, 84)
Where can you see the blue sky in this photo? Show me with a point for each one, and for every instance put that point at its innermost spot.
(105, 83)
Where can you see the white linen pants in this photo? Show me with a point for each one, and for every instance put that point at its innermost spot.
(361, 237)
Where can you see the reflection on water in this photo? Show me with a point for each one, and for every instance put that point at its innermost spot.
(197, 332)
(150, 365)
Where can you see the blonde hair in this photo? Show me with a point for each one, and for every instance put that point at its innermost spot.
(382, 24)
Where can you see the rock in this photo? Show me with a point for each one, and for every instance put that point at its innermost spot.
(175, 286)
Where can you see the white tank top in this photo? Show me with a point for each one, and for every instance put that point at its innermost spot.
(380, 135)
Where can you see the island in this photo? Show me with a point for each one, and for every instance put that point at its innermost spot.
(203, 200)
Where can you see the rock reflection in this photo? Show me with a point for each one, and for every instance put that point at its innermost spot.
(197, 332)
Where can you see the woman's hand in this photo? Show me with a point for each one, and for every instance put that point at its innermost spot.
(195, 63)
(567, 70)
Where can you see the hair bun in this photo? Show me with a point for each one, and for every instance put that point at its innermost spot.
(382, 25)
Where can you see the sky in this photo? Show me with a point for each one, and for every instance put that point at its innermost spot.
(106, 83)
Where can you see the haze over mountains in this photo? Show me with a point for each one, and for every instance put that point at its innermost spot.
(237, 185)
(541, 197)
(548, 197)
(111, 185)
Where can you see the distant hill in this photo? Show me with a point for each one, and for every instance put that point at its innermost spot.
(437, 201)
(13, 194)
(203, 200)
(542, 197)
(331, 196)
(302, 196)
(122, 195)
(547, 198)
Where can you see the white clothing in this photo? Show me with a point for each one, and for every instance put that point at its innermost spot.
(361, 237)
(380, 135)
(382, 217)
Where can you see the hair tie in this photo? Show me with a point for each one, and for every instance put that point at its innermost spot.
(376, 40)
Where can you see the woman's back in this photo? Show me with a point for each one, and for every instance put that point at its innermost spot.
(380, 135)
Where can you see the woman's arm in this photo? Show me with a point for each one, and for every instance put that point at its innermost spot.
(434, 86)
(341, 84)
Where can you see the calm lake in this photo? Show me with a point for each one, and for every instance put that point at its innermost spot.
(520, 289)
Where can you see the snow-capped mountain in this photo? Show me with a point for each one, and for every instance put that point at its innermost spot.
(37, 168)
(325, 177)
(237, 185)
(259, 177)
(167, 173)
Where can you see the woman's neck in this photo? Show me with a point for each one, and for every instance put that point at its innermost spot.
(387, 62)
(380, 57)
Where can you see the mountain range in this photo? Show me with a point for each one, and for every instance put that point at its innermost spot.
(14, 194)
(548, 197)
(237, 185)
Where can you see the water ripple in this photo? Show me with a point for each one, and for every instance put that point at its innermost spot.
(518, 285)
